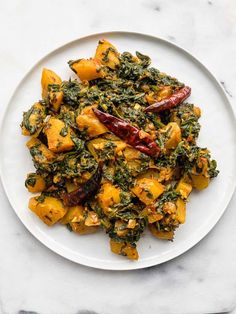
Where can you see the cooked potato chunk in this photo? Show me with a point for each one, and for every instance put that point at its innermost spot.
(172, 135)
(39, 151)
(151, 214)
(48, 209)
(80, 221)
(131, 153)
(35, 183)
(55, 99)
(147, 190)
(74, 214)
(33, 120)
(100, 147)
(180, 210)
(58, 135)
(184, 188)
(87, 69)
(165, 235)
(163, 92)
(81, 228)
(108, 196)
(125, 249)
(107, 54)
(89, 122)
(48, 77)
(200, 181)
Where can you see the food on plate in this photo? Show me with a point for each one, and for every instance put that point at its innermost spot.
(115, 148)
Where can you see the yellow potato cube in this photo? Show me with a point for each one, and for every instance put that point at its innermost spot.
(48, 77)
(164, 235)
(180, 210)
(55, 99)
(184, 188)
(87, 69)
(125, 249)
(98, 144)
(108, 196)
(74, 214)
(131, 153)
(147, 190)
(89, 122)
(44, 154)
(81, 228)
(200, 181)
(35, 183)
(58, 136)
(107, 54)
(33, 120)
(48, 209)
(172, 134)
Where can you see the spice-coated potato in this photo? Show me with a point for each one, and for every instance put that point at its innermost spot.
(48, 209)
(33, 120)
(35, 183)
(89, 122)
(88, 69)
(108, 196)
(164, 235)
(41, 153)
(48, 77)
(200, 181)
(125, 249)
(107, 54)
(147, 190)
(172, 135)
(58, 135)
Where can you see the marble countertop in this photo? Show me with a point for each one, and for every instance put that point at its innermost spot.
(35, 280)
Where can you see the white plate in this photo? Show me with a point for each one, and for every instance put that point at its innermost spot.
(217, 133)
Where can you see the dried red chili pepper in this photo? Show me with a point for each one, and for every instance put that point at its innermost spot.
(84, 192)
(168, 103)
(130, 134)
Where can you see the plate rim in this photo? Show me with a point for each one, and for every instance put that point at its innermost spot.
(106, 265)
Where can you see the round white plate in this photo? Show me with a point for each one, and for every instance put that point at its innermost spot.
(217, 133)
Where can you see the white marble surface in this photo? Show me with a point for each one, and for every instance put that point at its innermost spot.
(32, 278)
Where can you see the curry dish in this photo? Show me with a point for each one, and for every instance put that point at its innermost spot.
(115, 149)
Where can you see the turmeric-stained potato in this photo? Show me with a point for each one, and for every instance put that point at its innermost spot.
(81, 228)
(131, 153)
(35, 183)
(48, 77)
(200, 181)
(48, 209)
(92, 219)
(108, 196)
(74, 214)
(124, 249)
(172, 135)
(55, 99)
(99, 146)
(147, 190)
(39, 151)
(164, 235)
(87, 121)
(184, 188)
(151, 214)
(87, 69)
(33, 120)
(162, 93)
(80, 221)
(58, 135)
(180, 210)
(107, 54)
